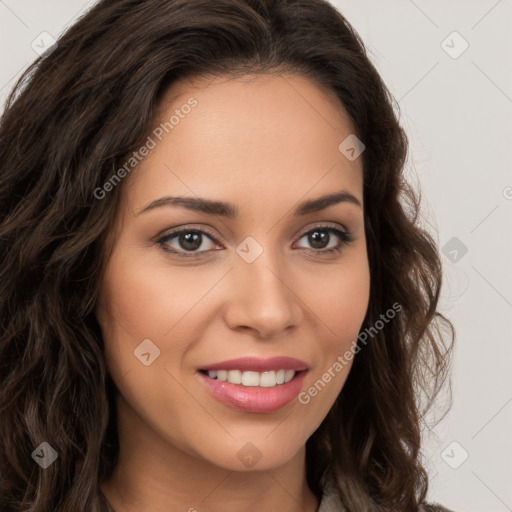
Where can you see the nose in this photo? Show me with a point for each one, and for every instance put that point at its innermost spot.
(263, 299)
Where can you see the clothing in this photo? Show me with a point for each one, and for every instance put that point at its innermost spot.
(331, 503)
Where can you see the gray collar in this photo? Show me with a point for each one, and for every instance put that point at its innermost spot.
(330, 499)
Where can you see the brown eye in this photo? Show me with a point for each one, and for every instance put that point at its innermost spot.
(186, 242)
(320, 237)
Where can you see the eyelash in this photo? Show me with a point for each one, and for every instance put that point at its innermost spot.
(345, 237)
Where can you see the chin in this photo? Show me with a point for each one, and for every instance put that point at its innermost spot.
(253, 454)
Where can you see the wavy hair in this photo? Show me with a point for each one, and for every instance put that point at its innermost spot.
(70, 120)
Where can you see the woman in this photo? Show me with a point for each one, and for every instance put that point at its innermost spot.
(168, 341)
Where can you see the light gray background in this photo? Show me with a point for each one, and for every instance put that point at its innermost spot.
(458, 115)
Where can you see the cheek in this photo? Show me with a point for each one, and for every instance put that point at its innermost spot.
(349, 311)
(145, 298)
(148, 324)
(161, 310)
(342, 301)
(340, 307)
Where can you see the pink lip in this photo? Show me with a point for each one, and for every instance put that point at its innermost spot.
(254, 399)
(257, 364)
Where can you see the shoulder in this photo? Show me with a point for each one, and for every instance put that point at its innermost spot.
(433, 507)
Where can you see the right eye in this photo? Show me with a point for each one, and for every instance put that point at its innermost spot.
(187, 243)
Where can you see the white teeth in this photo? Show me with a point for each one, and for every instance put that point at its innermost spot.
(252, 379)
(268, 379)
(235, 376)
(288, 375)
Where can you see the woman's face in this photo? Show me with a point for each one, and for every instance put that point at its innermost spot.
(254, 282)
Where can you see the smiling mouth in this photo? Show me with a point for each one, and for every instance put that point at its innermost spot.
(251, 391)
(267, 379)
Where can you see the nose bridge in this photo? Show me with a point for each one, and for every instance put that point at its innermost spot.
(265, 300)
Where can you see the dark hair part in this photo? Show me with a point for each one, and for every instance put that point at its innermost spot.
(70, 121)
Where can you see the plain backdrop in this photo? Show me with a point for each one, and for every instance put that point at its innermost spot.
(449, 66)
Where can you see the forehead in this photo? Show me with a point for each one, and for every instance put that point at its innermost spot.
(256, 135)
(242, 106)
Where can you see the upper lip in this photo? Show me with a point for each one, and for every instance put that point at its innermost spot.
(257, 364)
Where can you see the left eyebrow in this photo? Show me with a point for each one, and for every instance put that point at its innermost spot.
(315, 205)
(231, 211)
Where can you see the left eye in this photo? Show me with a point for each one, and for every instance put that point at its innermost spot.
(319, 235)
(191, 240)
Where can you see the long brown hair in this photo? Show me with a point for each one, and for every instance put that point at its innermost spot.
(69, 123)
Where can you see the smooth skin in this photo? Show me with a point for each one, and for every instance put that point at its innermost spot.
(264, 143)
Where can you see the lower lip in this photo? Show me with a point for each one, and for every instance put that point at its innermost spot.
(254, 398)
